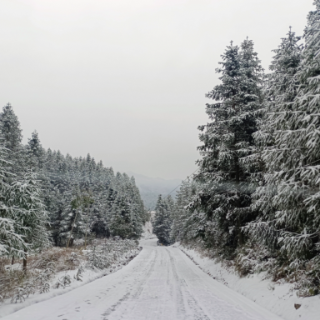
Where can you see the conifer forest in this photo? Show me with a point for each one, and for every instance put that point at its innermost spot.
(254, 199)
(48, 198)
(77, 240)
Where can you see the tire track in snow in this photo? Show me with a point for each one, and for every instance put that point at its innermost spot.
(144, 279)
(181, 310)
(220, 309)
(184, 294)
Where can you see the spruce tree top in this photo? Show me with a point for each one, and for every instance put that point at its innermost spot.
(229, 136)
(10, 128)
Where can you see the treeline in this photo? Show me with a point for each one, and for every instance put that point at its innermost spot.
(255, 200)
(47, 198)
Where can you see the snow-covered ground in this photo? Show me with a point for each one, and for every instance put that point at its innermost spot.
(88, 275)
(280, 298)
(160, 283)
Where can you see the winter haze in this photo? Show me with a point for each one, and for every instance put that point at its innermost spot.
(125, 80)
(131, 196)
(150, 188)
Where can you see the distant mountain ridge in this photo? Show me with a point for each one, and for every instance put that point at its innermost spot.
(150, 188)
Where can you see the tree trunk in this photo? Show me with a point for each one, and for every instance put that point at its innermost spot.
(74, 221)
(12, 261)
(24, 266)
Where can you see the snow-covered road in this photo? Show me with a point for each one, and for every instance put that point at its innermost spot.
(160, 283)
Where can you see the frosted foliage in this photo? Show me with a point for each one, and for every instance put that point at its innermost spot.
(290, 198)
(256, 203)
(29, 211)
(35, 151)
(163, 220)
(278, 191)
(11, 241)
(188, 224)
(85, 199)
(10, 128)
(74, 198)
(228, 150)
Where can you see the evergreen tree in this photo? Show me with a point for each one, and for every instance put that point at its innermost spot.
(120, 222)
(11, 242)
(188, 224)
(10, 128)
(293, 162)
(227, 140)
(30, 216)
(162, 221)
(35, 151)
(278, 192)
(12, 135)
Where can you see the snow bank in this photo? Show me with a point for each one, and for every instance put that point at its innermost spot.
(279, 298)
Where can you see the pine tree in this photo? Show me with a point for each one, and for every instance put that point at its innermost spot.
(120, 221)
(30, 216)
(179, 212)
(294, 161)
(188, 224)
(12, 135)
(227, 140)
(11, 242)
(162, 221)
(35, 151)
(278, 192)
(10, 128)
(138, 212)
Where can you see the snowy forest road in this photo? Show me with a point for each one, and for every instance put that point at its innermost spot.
(160, 283)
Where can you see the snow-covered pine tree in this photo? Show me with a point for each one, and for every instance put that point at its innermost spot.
(82, 219)
(188, 224)
(278, 192)
(170, 203)
(60, 197)
(35, 151)
(30, 216)
(162, 221)
(179, 216)
(11, 241)
(303, 241)
(295, 162)
(225, 194)
(98, 221)
(12, 137)
(120, 220)
(136, 208)
(10, 128)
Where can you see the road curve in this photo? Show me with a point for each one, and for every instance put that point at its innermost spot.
(161, 283)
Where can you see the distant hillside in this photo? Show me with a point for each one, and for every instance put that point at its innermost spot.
(150, 188)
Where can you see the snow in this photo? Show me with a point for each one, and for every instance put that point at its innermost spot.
(160, 283)
(87, 276)
(147, 229)
(279, 298)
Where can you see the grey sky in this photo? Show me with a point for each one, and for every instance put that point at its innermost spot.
(125, 79)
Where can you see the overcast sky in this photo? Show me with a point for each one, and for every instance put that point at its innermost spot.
(125, 79)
